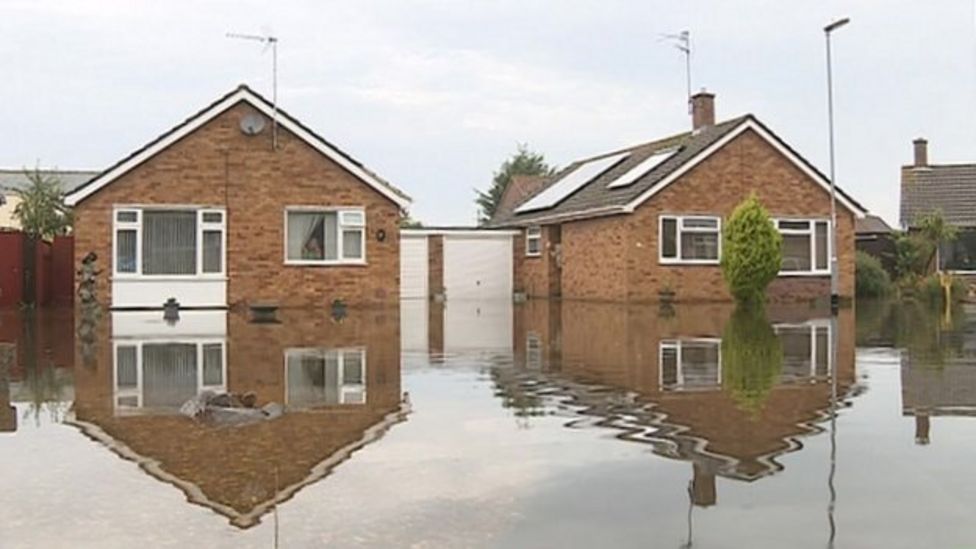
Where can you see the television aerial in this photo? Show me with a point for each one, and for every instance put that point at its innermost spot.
(270, 42)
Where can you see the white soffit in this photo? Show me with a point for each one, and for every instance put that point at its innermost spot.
(571, 182)
(642, 169)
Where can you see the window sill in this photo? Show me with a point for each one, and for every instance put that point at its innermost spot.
(536, 255)
(688, 262)
(168, 278)
(294, 263)
(803, 274)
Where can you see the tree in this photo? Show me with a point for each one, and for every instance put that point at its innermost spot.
(42, 212)
(934, 229)
(751, 251)
(523, 162)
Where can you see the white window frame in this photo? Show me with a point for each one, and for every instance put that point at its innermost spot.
(811, 233)
(346, 390)
(137, 391)
(533, 234)
(341, 223)
(679, 220)
(677, 345)
(200, 227)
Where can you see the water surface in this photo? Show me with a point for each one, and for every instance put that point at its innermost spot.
(493, 425)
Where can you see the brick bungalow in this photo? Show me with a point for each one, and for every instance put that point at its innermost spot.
(240, 203)
(630, 224)
(947, 189)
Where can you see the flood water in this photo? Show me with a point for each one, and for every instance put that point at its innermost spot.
(485, 424)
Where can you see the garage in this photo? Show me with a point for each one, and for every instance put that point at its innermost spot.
(468, 264)
(413, 265)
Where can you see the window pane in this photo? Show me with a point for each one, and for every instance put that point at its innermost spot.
(700, 223)
(669, 238)
(212, 254)
(352, 244)
(213, 217)
(533, 242)
(125, 367)
(352, 368)
(823, 350)
(306, 235)
(669, 367)
(699, 364)
(699, 245)
(169, 242)
(796, 252)
(127, 216)
(125, 260)
(354, 219)
(306, 380)
(821, 245)
(796, 352)
(795, 225)
(213, 361)
(169, 374)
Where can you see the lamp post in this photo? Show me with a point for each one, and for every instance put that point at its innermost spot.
(834, 296)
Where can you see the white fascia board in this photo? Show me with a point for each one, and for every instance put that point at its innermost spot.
(74, 198)
(477, 233)
(748, 124)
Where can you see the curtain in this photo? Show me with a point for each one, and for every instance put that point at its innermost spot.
(212, 253)
(213, 362)
(169, 242)
(304, 235)
(125, 367)
(125, 261)
(169, 374)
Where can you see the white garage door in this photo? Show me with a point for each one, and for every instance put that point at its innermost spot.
(413, 266)
(478, 267)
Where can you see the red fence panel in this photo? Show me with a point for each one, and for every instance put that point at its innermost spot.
(62, 273)
(11, 268)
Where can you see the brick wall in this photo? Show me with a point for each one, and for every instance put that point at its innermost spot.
(532, 272)
(616, 258)
(217, 165)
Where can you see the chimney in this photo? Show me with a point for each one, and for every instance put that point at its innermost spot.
(921, 152)
(702, 110)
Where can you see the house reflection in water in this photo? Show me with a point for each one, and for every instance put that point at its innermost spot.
(340, 383)
(937, 386)
(656, 376)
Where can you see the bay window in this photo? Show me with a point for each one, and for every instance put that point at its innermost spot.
(806, 246)
(323, 236)
(533, 241)
(689, 239)
(168, 241)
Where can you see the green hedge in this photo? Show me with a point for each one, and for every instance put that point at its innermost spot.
(870, 279)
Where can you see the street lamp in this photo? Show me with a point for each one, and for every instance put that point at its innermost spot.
(834, 296)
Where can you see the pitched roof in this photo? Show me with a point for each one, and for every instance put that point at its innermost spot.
(256, 100)
(871, 224)
(947, 188)
(595, 198)
(13, 179)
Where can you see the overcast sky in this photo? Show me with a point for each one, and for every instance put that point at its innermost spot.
(434, 95)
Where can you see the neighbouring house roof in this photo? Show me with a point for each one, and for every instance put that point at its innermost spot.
(16, 178)
(871, 224)
(594, 198)
(947, 188)
(241, 94)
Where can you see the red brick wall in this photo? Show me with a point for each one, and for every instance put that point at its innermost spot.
(217, 165)
(616, 258)
(532, 273)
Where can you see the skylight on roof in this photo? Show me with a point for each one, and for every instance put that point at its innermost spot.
(571, 182)
(641, 169)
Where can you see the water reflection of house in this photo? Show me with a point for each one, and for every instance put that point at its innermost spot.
(929, 390)
(339, 381)
(658, 379)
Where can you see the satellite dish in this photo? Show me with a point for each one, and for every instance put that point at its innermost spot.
(252, 123)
